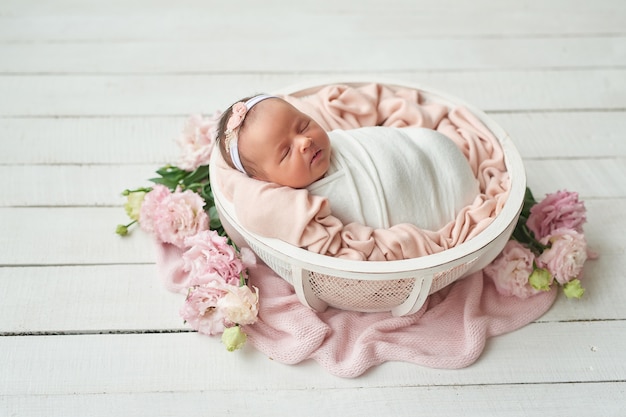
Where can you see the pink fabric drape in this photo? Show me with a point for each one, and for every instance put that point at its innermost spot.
(306, 220)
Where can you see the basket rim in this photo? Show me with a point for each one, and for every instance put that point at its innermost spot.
(328, 264)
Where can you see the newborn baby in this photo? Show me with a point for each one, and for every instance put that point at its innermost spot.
(376, 176)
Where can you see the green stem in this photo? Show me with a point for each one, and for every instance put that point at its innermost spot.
(137, 190)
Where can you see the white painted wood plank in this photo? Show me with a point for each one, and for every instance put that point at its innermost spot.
(74, 185)
(101, 185)
(69, 236)
(592, 178)
(249, 54)
(108, 140)
(150, 140)
(180, 95)
(545, 135)
(87, 299)
(554, 400)
(184, 362)
(70, 21)
(77, 235)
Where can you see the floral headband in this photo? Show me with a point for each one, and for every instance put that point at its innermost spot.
(231, 135)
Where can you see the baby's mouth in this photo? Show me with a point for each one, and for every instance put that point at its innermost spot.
(316, 156)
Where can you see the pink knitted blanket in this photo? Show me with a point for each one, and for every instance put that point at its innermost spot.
(449, 331)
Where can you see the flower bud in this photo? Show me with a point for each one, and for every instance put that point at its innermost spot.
(234, 338)
(121, 230)
(573, 289)
(133, 204)
(540, 279)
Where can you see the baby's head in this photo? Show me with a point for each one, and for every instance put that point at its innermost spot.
(269, 139)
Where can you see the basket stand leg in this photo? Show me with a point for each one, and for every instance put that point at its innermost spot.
(416, 299)
(302, 286)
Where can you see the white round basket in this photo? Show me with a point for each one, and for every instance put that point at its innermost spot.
(402, 286)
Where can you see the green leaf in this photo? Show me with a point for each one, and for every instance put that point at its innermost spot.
(168, 170)
(215, 219)
(206, 194)
(166, 182)
(172, 173)
(199, 175)
(529, 201)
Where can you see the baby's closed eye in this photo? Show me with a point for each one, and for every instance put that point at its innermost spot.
(304, 126)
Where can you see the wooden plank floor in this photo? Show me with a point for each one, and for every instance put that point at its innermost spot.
(92, 95)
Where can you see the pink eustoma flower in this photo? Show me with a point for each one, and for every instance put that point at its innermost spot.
(566, 255)
(240, 305)
(511, 269)
(557, 211)
(201, 308)
(209, 257)
(197, 141)
(178, 216)
(149, 206)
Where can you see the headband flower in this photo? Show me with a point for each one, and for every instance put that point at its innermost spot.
(234, 121)
(239, 113)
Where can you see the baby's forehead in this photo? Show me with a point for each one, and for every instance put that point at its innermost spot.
(279, 105)
(273, 111)
(268, 120)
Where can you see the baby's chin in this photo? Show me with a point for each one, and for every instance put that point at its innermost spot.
(322, 175)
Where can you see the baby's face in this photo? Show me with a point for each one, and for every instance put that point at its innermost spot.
(286, 145)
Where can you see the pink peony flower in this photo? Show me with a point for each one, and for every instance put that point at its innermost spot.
(197, 141)
(511, 269)
(558, 210)
(240, 305)
(239, 113)
(201, 308)
(210, 257)
(149, 206)
(178, 216)
(566, 256)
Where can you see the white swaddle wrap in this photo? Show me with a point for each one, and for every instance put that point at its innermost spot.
(382, 176)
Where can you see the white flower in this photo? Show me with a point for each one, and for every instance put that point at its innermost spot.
(240, 305)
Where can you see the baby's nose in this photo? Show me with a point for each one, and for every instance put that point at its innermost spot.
(305, 143)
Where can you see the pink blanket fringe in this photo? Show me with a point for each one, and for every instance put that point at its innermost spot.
(450, 331)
